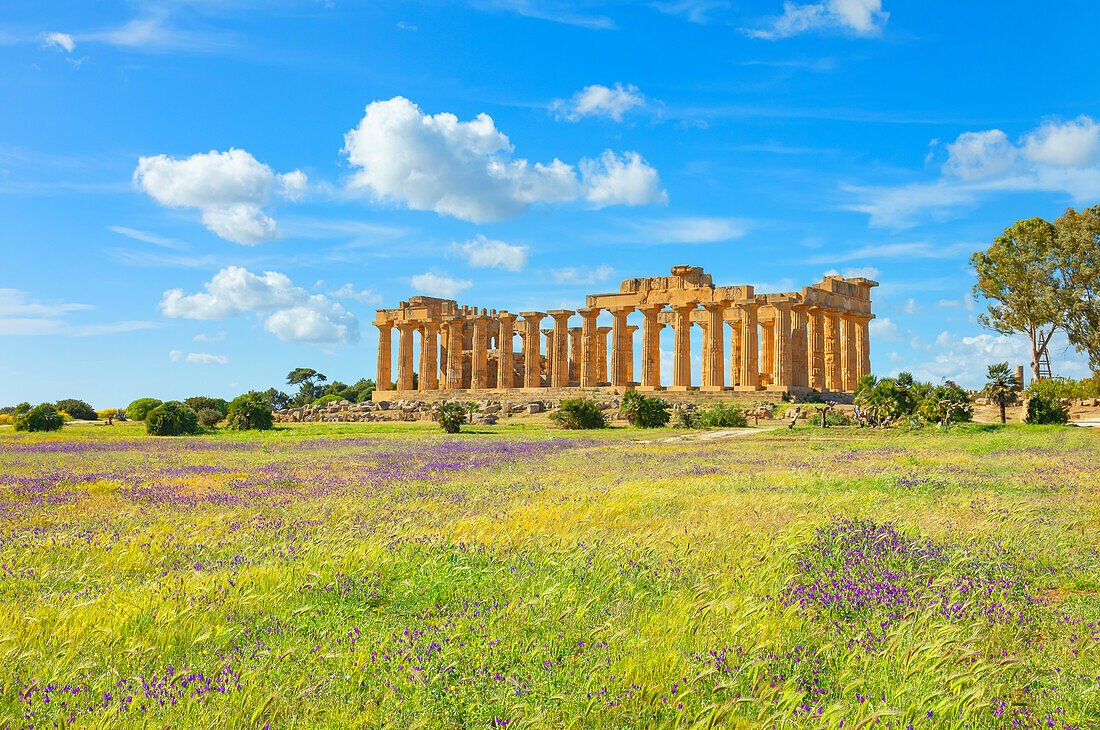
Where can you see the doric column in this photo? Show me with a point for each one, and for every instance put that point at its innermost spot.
(405, 355)
(454, 352)
(767, 349)
(549, 335)
(735, 353)
(429, 367)
(750, 365)
(848, 339)
(559, 370)
(628, 351)
(800, 374)
(832, 351)
(601, 354)
(504, 350)
(863, 346)
(479, 355)
(651, 346)
(589, 342)
(682, 353)
(782, 350)
(532, 357)
(575, 355)
(382, 380)
(619, 376)
(816, 348)
(704, 341)
(714, 352)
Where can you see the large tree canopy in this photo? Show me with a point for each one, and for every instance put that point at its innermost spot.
(1078, 262)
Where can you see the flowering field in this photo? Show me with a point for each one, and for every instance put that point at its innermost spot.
(367, 577)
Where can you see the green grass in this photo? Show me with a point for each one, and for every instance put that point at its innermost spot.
(383, 575)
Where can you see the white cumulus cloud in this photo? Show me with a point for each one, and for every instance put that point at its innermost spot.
(439, 285)
(1075, 143)
(467, 169)
(175, 355)
(621, 180)
(205, 358)
(599, 101)
(486, 253)
(884, 329)
(229, 188)
(59, 40)
(290, 313)
(347, 291)
(861, 17)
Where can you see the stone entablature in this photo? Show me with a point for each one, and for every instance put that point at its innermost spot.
(813, 339)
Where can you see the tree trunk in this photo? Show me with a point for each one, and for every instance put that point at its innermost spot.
(1002, 404)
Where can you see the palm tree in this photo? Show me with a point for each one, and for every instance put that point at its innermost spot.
(1001, 386)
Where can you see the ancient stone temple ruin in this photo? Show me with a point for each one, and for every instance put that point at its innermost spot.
(794, 342)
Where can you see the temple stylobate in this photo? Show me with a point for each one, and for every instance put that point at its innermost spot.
(794, 342)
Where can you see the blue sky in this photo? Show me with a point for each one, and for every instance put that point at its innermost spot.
(199, 196)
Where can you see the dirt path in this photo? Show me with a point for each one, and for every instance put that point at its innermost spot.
(708, 435)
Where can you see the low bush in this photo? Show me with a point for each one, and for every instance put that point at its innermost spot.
(200, 403)
(720, 415)
(946, 404)
(451, 417)
(111, 414)
(6, 419)
(682, 418)
(1043, 410)
(140, 408)
(644, 411)
(326, 399)
(65, 416)
(171, 419)
(209, 417)
(78, 409)
(579, 413)
(41, 418)
(250, 412)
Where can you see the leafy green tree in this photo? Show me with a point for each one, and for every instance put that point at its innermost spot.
(307, 389)
(946, 404)
(644, 411)
(1042, 410)
(276, 399)
(171, 419)
(451, 417)
(1001, 386)
(200, 402)
(1018, 273)
(210, 417)
(250, 412)
(78, 409)
(41, 418)
(137, 410)
(579, 413)
(1078, 261)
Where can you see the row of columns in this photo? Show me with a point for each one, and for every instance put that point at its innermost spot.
(801, 346)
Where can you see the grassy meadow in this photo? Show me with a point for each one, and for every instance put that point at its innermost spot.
(520, 576)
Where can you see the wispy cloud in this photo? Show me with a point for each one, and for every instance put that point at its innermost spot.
(551, 10)
(683, 229)
(909, 250)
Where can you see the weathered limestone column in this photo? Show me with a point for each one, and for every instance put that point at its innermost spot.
(704, 341)
(429, 367)
(800, 373)
(628, 351)
(385, 353)
(863, 346)
(601, 353)
(405, 355)
(620, 351)
(589, 337)
(532, 357)
(714, 352)
(549, 334)
(848, 339)
(682, 353)
(832, 351)
(782, 349)
(559, 373)
(479, 355)
(767, 349)
(816, 348)
(504, 350)
(574, 354)
(735, 353)
(651, 346)
(454, 326)
(750, 366)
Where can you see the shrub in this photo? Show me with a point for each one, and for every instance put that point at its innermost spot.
(110, 414)
(1054, 389)
(451, 417)
(77, 409)
(200, 403)
(41, 418)
(643, 411)
(579, 413)
(209, 417)
(22, 408)
(326, 399)
(834, 417)
(946, 404)
(139, 409)
(720, 415)
(171, 419)
(1042, 410)
(65, 416)
(250, 412)
(6, 419)
(682, 418)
